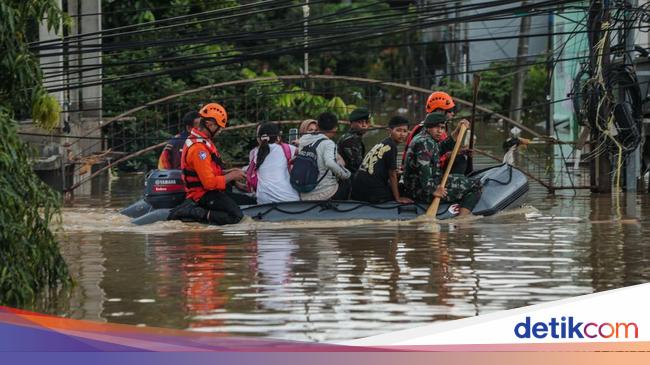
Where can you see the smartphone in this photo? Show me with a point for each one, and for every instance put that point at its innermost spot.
(293, 135)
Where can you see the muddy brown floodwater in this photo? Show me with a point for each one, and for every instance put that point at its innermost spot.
(344, 280)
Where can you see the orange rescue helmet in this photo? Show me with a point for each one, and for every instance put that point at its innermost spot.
(214, 112)
(439, 100)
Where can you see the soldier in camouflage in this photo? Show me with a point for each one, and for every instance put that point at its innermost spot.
(350, 145)
(423, 173)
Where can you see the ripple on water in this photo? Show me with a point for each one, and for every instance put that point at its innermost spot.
(326, 281)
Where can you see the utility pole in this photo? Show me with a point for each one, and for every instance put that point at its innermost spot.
(466, 53)
(458, 56)
(517, 96)
(449, 52)
(604, 162)
(549, 72)
(305, 15)
(600, 166)
(421, 34)
(85, 102)
(452, 49)
(633, 161)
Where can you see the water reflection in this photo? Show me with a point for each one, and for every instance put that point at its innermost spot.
(349, 281)
(273, 263)
(86, 265)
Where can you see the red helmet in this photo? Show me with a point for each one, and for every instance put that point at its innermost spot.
(214, 112)
(439, 100)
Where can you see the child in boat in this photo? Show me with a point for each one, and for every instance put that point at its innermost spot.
(376, 179)
(270, 163)
(423, 172)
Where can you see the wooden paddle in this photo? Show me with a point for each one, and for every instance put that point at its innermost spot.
(433, 208)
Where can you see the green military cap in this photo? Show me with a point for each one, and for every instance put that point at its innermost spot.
(433, 119)
(359, 114)
(397, 121)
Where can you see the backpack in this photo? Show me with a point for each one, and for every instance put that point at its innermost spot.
(251, 172)
(304, 174)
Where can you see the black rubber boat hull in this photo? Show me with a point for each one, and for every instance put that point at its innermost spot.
(319, 210)
(138, 209)
(504, 187)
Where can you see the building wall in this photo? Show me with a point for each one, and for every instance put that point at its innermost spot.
(483, 53)
(81, 107)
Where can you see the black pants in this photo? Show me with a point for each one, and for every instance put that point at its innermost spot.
(222, 208)
(343, 192)
(241, 199)
(372, 195)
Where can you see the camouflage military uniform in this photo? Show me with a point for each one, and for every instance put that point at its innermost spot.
(352, 150)
(423, 174)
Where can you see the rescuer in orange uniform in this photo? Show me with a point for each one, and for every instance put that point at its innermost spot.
(204, 174)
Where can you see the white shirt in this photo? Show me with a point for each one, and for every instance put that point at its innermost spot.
(273, 176)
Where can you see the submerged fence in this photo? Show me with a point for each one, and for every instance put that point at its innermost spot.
(294, 98)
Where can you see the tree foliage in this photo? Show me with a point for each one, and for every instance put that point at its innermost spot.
(30, 261)
(252, 103)
(21, 75)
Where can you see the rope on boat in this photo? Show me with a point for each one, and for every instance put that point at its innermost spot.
(331, 205)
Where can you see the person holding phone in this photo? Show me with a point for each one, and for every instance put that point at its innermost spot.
(293, 135)
(308, 126)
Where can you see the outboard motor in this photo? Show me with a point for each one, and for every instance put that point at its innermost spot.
(164, 189)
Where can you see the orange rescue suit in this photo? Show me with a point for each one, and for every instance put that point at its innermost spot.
(202, 166)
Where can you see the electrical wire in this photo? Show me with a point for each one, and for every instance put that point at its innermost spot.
(233, 59)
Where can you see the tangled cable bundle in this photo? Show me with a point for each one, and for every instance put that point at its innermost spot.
(628, 106)
(607, 96)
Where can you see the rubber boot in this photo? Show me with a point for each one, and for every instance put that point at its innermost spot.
(220, 218)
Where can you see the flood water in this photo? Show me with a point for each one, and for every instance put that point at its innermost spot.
(336, 281)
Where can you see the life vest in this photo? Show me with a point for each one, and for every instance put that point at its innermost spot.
(193, 188)
(444, 160)
(176, 150)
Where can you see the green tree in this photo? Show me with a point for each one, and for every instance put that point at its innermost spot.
(380, 57)
(154, 125)
(30, 261)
